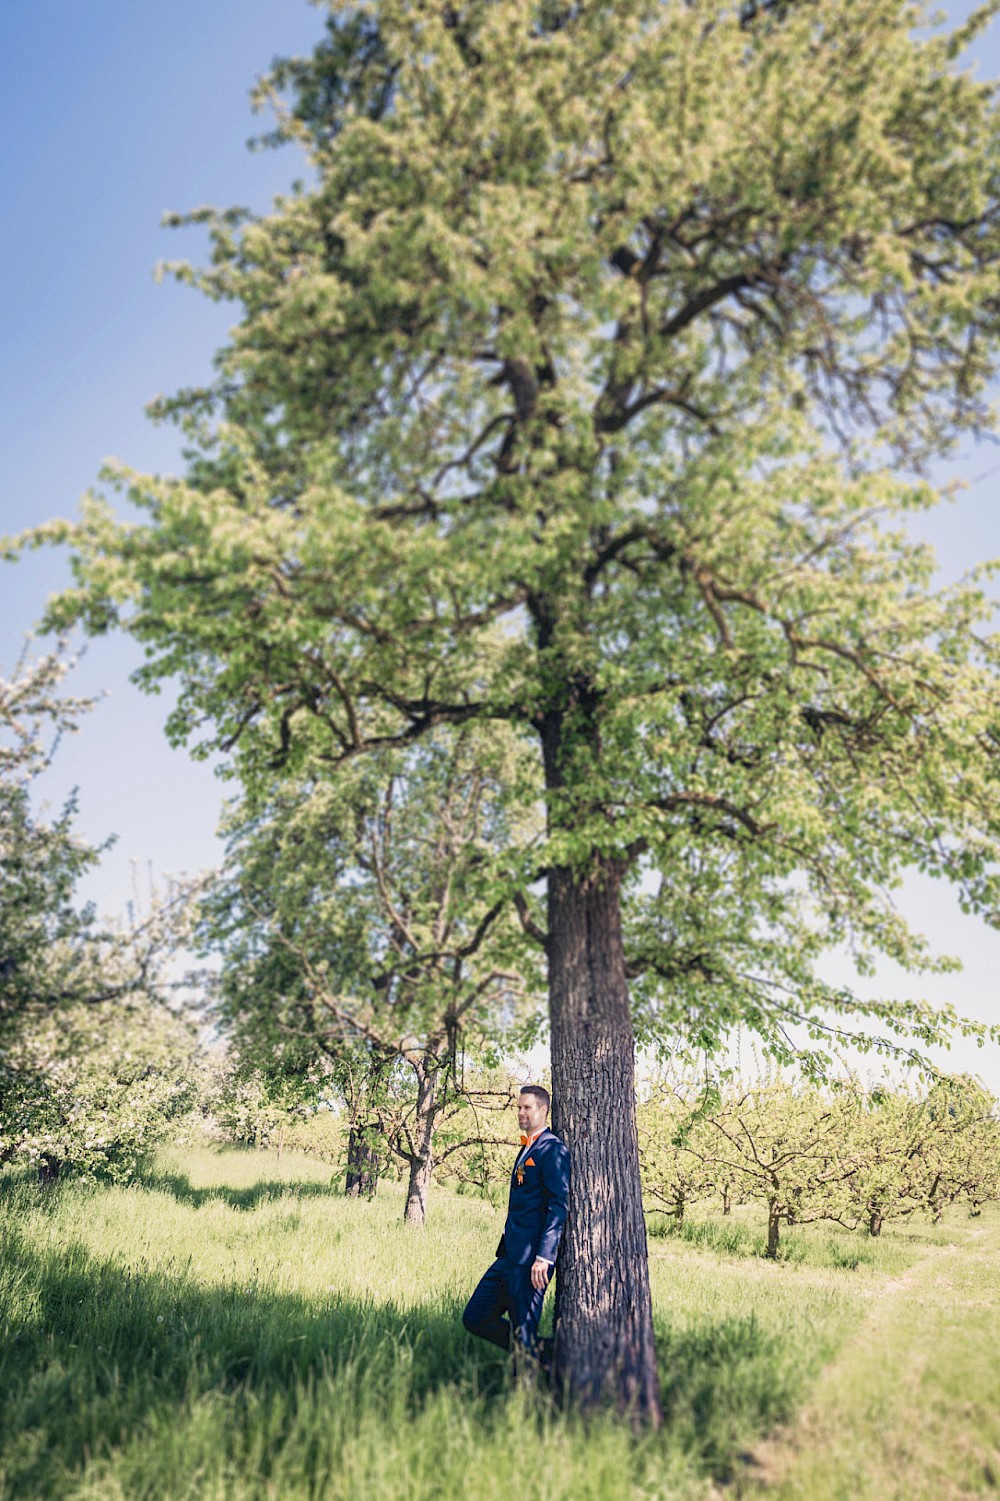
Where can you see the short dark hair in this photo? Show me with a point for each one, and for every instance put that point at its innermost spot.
(539, 1091)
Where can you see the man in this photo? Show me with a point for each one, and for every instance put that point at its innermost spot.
(536, 1212)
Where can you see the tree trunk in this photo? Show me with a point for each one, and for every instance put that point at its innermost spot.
(773, 1229)
(415, 1212)
(362, 1165)
(875, 1219)
(422, 1159)
(366, 1134)
(604, 1330)
(726, 1204)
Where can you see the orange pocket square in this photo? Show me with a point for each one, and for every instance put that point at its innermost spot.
(529, 1162)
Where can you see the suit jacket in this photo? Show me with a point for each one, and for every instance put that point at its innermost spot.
(536, 1210)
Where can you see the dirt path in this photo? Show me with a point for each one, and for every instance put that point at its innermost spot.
(910, 1408)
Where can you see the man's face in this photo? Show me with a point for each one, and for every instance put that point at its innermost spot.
(531, 1113)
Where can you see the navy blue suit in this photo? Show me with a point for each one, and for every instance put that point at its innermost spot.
(536, 1213)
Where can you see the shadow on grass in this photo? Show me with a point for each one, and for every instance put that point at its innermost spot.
(724, 1384)
(96, 1353)
(92, 1348)
(183, 1190)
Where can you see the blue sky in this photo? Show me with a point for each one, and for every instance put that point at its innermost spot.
(117, 111)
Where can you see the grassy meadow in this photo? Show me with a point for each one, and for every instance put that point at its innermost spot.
(233, 1327)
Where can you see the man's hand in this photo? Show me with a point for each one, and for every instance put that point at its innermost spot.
(540, 1273)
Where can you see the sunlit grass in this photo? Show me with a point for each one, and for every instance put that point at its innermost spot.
(909, 1410)
(234, 1327)
(819, 1244)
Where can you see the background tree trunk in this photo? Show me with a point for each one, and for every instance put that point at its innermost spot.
(604, 1332)
(366, 1134)
(362, 1165)
(422, 1159)
(415, 1212)
(773, 1229)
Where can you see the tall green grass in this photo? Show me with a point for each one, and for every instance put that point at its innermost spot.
(234, 1327)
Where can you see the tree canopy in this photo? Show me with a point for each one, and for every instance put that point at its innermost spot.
(47, 940)
(368, 919)
(92, 1065)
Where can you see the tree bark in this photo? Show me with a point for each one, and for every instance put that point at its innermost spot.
(422, 1158)
(362, 1165)
(874, 1220)
(366, 1133)
(415, 1212)
(604, 1317)
(773, 1229)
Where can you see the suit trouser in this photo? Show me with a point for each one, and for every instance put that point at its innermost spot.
(505, 1289)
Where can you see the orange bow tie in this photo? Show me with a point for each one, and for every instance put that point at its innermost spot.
(524, 1140)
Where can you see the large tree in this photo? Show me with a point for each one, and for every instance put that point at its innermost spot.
(573, 391)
